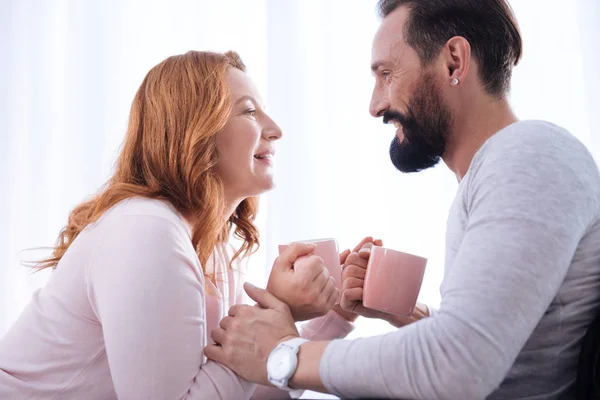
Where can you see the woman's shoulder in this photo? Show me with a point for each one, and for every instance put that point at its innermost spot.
(139, 212)
(141, 206)
(140, 233)
(138, 223)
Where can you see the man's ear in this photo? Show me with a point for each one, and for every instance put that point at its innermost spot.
(456, 60)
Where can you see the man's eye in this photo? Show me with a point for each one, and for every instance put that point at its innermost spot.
(385, 74)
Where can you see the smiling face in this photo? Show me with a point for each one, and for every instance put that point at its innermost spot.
(409, 96)
(246, 144)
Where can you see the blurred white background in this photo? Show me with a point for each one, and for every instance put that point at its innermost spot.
(70, 69)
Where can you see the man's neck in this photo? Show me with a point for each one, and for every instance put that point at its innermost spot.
(478, 121)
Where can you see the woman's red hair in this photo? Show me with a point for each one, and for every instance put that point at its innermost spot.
(169, 154)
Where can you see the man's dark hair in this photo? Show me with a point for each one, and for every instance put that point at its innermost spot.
(489, 26)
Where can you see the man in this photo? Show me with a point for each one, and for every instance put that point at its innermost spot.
(522, 272)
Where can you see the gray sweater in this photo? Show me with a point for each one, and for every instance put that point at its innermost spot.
(521, 283)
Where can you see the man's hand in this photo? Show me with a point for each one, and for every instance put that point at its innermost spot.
(347, 315)
(247, 336)
(353, 281)
(350, 315)
(302, 282)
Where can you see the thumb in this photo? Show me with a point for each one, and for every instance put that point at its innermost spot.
(291, 254)
(263, 298)
(343, 256)
(365, 251)
(368, 239)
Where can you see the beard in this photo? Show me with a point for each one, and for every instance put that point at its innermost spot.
(426, 128)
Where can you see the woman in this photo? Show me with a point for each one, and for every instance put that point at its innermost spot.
(142, 271)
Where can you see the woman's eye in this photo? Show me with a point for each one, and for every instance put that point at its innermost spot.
(251, 112)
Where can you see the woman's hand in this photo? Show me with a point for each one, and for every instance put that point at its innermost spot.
(302, 282)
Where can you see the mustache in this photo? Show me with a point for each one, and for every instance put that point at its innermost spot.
(393, 115)
(407, 121)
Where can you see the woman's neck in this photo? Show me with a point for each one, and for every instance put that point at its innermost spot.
(229, 209)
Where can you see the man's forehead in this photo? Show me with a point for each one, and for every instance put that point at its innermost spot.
(389, 36)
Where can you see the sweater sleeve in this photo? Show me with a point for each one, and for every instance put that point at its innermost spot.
(525, 220)
(147, 290)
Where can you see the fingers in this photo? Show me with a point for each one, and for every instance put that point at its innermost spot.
(332, 293)
(356, 259)
(321, 281)
(234, 310)
(367, 242)
(324, 271)
(362, 242)
(215, 352)
(310, 267)
(218, 335)
(354, 294)
(351, 283)
(350, 298)
(262, 297)
(354, 271)
(365, 251)
(329, 288)
(225, 323)
(323, 287)
(353, 280)
(344, 255)
(295, 250)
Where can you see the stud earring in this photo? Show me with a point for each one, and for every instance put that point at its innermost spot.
(455, 81)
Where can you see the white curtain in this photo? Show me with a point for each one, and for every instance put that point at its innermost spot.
(70, 70)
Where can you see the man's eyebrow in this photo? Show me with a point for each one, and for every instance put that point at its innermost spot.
(376, 65)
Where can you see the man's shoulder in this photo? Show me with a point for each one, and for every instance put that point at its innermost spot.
(534, 145)
(532, 164)
(532, 137)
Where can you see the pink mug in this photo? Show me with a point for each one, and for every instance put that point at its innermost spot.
(393, 281)
(328, 250)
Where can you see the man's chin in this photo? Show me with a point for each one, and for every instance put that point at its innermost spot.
(408, 158)
(408, 166)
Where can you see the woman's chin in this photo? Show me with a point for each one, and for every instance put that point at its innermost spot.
(265, 186)
(269, 185)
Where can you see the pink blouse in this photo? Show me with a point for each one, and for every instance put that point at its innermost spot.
(127, 314)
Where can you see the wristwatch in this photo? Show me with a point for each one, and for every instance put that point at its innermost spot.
(282, 364)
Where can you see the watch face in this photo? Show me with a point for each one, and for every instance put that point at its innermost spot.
(280, 363)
